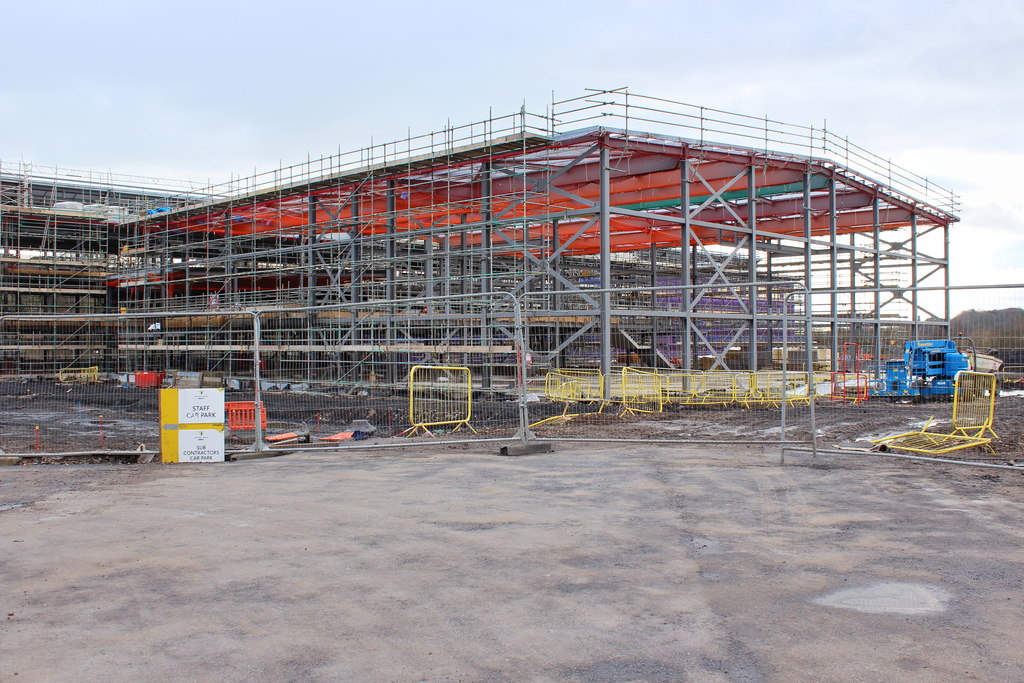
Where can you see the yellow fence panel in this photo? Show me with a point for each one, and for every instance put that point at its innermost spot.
(648, 391)
(641, 391)
(973, 409)
(682, 387)
(572, 387)
(440, 396)
(90, 375)
(974, 403)
(720, 387)
(768, 388)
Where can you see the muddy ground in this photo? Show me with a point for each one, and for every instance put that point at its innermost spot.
(837, 424)
(91, 418)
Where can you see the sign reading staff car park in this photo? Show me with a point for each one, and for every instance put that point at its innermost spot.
(192, 425)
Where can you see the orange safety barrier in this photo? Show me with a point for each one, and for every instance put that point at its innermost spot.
(241, 415)
(340, 436)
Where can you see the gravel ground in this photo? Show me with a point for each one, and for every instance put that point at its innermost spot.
(596, 563)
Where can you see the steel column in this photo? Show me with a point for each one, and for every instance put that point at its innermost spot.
(752, 264)
(686, 272)
(833, 269)
(916, 311)
(808, 275)
(606, 269)
(487, 268)
(308, 255)
(877, 315)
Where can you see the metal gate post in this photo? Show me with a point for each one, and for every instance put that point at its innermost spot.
(519, 335)
(257, 397)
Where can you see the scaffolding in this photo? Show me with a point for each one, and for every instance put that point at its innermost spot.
(60, 231)
(590, 213)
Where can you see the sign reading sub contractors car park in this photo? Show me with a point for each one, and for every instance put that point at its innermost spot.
(192, 425)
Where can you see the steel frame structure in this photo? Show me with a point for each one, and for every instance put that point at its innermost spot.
(563, 213)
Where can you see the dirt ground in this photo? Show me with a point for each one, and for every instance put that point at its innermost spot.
(106, 417)
(449, 563)
(836, 423)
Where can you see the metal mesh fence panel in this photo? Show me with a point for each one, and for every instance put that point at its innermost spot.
(440, 396)
(974, 403)
(686, 363)
(895, 376)
(426, 367)
(91, 383)
(641, 391)
(322, 375)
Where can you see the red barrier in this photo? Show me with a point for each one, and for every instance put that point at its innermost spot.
(241, 415)
(148, 380)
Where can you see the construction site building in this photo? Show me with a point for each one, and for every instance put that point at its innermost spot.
(632, 230)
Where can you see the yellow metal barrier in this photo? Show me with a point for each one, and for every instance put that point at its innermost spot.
(648, 391)
(803, 386)
(572, 387)
(974, 401)
(763, 387)
(439, 396)
(90, 375)
(641, 391)
(746, 388)
(974, 404)
(766, 388)
(719, 387)
(682, 387)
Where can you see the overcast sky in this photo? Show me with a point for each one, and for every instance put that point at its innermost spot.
(204, 90)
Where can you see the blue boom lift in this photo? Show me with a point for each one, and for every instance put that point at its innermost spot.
(927, 371)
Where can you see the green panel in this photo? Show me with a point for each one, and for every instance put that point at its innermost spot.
(818, 182)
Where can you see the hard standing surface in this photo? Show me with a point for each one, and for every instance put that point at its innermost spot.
(590, 564)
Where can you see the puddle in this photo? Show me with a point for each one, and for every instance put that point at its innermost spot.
(889, 598)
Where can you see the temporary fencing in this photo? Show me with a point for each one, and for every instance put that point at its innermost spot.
(90, 383)
(583, 390)
(501, 367)
(642, 391)
(896, 376)
(773, 387)
(973, 412)
(90, 375)
(674, 354)
(320, 375)
(440, 396)
(574, 386)
(646, 391)
(852, 387)
(974, 404)
(241, 415)
(443, 367)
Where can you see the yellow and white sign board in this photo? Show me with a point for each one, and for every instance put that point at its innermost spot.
(200, 445)
(192, 425)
